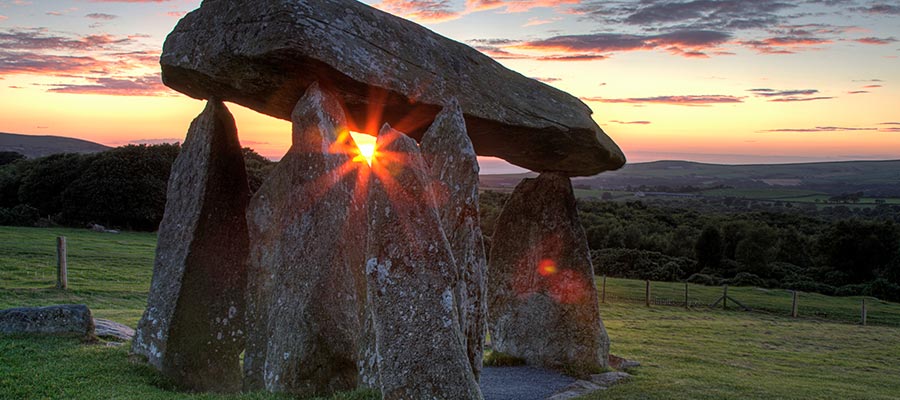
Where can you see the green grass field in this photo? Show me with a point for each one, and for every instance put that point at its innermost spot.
(686, 354)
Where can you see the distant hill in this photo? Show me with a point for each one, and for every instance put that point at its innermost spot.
(39, 146)
(880, 178)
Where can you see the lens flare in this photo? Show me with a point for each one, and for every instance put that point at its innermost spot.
(366, 153)
(547, 267)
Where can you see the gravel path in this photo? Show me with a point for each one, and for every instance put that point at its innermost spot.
(521, 383)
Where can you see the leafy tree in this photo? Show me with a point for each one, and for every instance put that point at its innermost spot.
(709, 248)
(47, 178)
(9, 157)
(125, 187)
(258, 168)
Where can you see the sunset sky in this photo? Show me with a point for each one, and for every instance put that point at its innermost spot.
(730, 81)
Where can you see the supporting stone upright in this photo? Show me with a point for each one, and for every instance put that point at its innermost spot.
(193, 328)
(448, 152)
(307, 233)
(411, 279)
(542, 299)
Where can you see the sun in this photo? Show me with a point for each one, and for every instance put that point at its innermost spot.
(366, 152)
(366, 146)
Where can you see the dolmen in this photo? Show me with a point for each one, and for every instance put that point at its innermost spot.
(337, 274)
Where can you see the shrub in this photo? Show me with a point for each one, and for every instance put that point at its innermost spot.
(859, 289)
(495, 358)
(704, 279)
(810, 286)
(20, 215)
(746, 279)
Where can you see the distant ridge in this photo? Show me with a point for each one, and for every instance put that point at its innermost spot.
(836, 177)
(32, 146)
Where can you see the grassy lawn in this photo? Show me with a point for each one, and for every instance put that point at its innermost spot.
(686, 354)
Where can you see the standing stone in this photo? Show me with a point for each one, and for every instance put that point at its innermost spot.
(448, 151)
(411, 279)
(307, 230)
(62, 319)
(542, 298)
(193, 328)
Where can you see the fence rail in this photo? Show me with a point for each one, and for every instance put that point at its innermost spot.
(853, 310)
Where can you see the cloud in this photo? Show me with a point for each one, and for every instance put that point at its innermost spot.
(546, 80)
(3, 17)
(631, 122)
(881, 9)
(687, 43)
(775, 93)
(130, 1)
(689, 100)
(857, 91)
(796, 99)
(785, 44)
(149, 85)
(101, 16)
(785, 96)
(176, 14)
(820, 129)
(872, 86)
(889, 123)
(539, 21)
(889, 130)
(515, 6)
(875, 40)
(41, 39)
(421, 10)
(697, 14)
(13, 63)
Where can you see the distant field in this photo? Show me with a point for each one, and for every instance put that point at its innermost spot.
(686, 354)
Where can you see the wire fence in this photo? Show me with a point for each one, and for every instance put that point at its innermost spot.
(852, 309)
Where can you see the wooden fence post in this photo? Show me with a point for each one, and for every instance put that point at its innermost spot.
(794, 305)
(864, 312)
(648, 293)
(603, 290)
(62, 268)
(725, 298)
(686, 304)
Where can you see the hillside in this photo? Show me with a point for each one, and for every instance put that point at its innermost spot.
(39, 146)
(875, 178)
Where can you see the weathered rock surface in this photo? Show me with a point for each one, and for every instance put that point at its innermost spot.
(64, 319)
(411, 278)
(193, 328)
(542, 299)
(307, 229)
(107, 329)
(263, 54)
(597, 382)
(619, 363)
(448, 152)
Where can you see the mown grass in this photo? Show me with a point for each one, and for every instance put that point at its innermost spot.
(686, 354)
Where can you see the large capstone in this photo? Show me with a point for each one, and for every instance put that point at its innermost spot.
(454, 179)
(412, 278)
(263, 55)
(542, 299)
(307, 229)
(193, 327)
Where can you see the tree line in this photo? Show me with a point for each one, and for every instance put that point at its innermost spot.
(124, 187)
(856, 253)
(850, 256)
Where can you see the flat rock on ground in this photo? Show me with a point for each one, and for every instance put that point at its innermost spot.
(107, 329)
(64, 319)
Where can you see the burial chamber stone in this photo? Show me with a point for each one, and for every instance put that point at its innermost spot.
(411, 278)
(307, 292)
(193, 327)
(62, 319)
(451, 159)
(263, 54)
(542, 297)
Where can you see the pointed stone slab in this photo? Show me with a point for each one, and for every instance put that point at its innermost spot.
(411, 279)
(542, 300)
(263, 54)
(307, 233)
(448, 152)
(193, 328)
